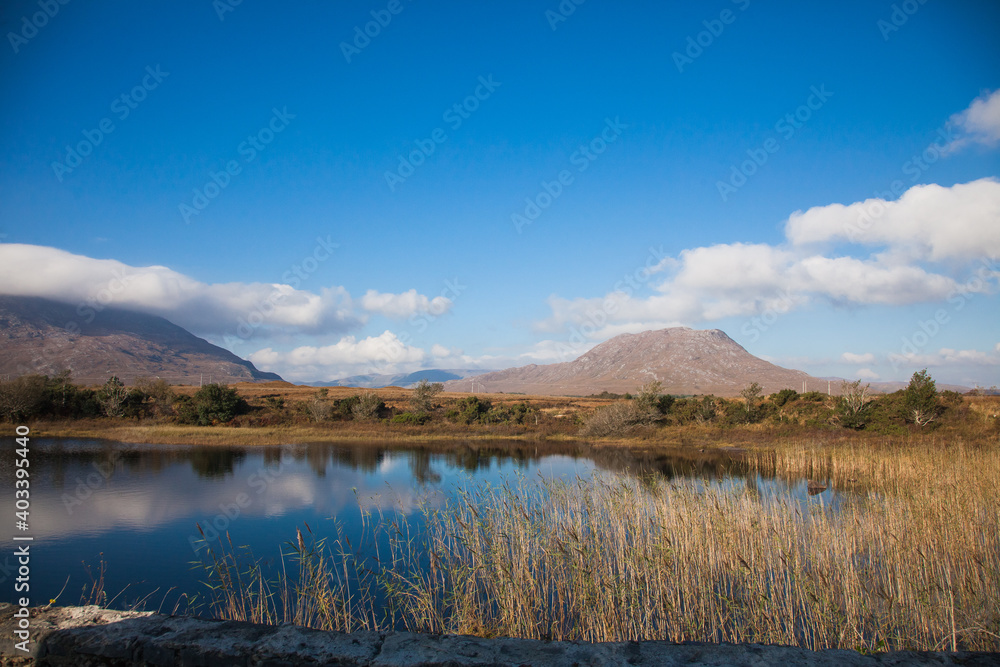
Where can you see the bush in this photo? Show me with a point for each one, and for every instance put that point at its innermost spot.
(320, 410)
(784, 396)
(516, 413)
(157, 396)
(64, 399)
(213, 403)
(886, 414)
(619, 418)
(411, 418)
(21, 397)
(470, 410)
(422, 398)
(344, 408)
(369, 407)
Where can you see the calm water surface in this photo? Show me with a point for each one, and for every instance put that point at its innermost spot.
(135, 507)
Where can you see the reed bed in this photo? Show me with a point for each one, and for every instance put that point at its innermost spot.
(909, 561)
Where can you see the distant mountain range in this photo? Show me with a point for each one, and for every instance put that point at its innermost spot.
(685, 361)
(47, 337)
(376, 381)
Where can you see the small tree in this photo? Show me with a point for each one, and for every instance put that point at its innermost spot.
(921, 399)
(156, 394)
(751, 395)
(422, 398)
(854, 400)
(706, 410)
(114, 397)
(369, 407)
(21, 397)
(647, 401)
(319, 409)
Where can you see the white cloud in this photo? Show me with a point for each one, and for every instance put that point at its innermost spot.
(384, 353)
(867, 374)
(234, 311)
(440, 351)
(405, 305)
(929, 225)
(928, 222)
(851, 358)
(980, 122)
(947, 357)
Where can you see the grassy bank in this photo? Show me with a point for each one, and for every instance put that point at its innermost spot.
(181, 434)
(913, 562)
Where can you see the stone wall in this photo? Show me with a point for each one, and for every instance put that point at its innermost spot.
(90, 636)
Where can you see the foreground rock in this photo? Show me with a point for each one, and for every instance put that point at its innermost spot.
(90, 636)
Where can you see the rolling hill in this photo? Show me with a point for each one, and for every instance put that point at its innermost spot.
(685, 361)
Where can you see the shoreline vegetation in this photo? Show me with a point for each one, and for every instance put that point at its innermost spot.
(908, 557)
(151, 411)
(908, 560)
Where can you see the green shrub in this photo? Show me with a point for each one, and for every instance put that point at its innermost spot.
(412, 418)
(470, 410)
(344, 408)
(922, 406)
(784, 396)
(213, 403)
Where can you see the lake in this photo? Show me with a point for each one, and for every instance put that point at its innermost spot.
(135, 508)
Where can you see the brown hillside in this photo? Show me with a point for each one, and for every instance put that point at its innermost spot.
(685, 361)
(40, 336)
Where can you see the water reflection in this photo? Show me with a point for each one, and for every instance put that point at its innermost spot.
(138, 504)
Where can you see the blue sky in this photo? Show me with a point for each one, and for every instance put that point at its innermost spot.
(257, 182)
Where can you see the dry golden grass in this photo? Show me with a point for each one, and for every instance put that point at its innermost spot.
(911, 562)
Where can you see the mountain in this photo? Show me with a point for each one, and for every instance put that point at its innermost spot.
(686, 361)
(46, 337)
(376, 381)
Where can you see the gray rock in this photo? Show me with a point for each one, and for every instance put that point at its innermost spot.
(92, 637)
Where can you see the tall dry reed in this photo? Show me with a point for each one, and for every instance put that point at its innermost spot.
(911, 560)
